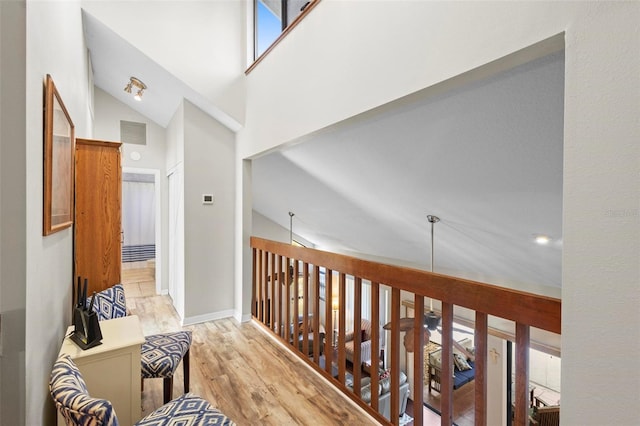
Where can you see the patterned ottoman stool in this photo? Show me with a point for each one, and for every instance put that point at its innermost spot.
(160, 356)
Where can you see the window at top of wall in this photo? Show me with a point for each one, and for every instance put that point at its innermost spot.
(272, 18)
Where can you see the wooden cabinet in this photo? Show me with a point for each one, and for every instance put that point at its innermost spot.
(98, 213)
(111, 370)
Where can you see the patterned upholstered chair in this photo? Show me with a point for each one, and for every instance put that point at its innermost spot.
(160, 353)
(78, 408)
(365, 343)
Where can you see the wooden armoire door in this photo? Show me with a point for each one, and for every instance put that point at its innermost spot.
(98, 213)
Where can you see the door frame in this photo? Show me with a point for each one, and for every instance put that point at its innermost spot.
(158, 218)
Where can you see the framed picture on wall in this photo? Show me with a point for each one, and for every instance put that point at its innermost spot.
(59, 146)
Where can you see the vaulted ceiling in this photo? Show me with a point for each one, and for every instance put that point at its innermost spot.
(486, 158)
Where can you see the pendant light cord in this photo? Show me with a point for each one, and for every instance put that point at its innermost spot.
(431, 298)
(432, 219)
(291, 214)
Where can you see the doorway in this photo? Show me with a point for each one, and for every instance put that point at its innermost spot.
(141, 225)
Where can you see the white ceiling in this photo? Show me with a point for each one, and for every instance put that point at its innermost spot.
(486, 158)
(115, 59)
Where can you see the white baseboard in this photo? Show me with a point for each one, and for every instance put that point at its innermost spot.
(208, 317)
(241, 318)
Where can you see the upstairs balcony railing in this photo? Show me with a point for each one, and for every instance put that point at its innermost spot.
(300, 294)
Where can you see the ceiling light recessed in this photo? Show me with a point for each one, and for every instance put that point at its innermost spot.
(542, 239)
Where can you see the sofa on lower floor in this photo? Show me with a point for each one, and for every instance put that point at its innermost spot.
(461, 376)
(384, 394)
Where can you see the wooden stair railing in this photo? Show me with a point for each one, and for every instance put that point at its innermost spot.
(276, 266)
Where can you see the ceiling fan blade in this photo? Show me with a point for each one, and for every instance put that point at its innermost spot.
(459, 330)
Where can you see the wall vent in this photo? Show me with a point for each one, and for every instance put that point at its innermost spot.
(132, 132)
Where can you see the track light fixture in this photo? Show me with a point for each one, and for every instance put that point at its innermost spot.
(138, 84)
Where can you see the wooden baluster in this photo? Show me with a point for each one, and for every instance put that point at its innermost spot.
(357, 335)
(446, 388)
(264, 290)
(418, 358)
(254, 282)
(342, 356)
(305, 309)
(522, 375)
(395, 354)
(277, 283)
(259, 286)
(375, 344)
(296, 302)
(480, 343)
(328, 314)
(272, 301)
(286, 282)
(316, 314)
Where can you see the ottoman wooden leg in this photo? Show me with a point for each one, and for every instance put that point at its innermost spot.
(185, 368)
(168, 388)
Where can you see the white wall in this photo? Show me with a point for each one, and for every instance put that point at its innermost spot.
(264, 227)
(55, 45)
(108, 114)
(204, 150)
(209, 168)
(13, 205)
(356, 66)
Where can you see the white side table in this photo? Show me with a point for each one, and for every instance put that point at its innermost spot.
(112, 370)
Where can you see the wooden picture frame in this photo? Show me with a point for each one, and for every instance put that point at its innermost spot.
(59, 148)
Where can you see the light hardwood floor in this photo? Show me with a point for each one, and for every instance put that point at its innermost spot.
(247, 375)
(241, 370)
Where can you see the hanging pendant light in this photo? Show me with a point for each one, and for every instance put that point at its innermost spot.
(432, 320)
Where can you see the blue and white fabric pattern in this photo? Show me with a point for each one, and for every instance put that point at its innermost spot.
(161, 353)
(110, 303)
(188, 410)
(69, 391)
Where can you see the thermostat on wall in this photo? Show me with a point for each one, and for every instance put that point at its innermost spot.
(207, 198)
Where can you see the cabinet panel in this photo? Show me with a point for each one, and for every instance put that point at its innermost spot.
(98, 218)
(111, 370)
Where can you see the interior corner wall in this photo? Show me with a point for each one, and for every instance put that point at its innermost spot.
(13, 207)
(243, 232)
(356, 67)
(55, 46)
(174, 154)
(175, 217)
(209, 168)
(108, 113)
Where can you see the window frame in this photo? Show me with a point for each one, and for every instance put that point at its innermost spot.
(310, 6)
